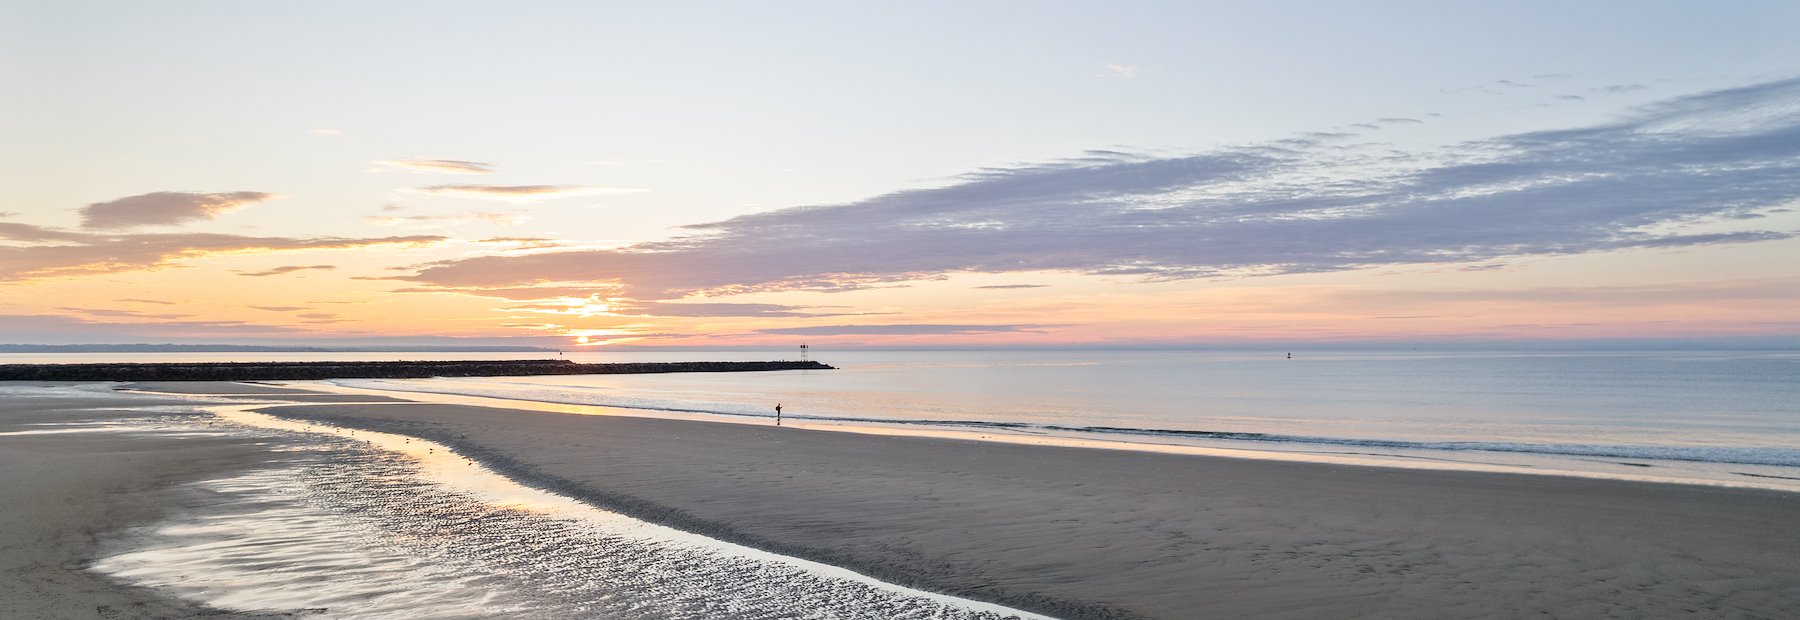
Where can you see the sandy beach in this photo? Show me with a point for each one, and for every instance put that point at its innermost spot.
(1085, 533)
(69, 495)
(1070, 532)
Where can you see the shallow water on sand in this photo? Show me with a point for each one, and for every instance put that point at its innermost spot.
(1716, 417)
(353, 524)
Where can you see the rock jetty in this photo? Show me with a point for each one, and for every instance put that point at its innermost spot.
(299, 371)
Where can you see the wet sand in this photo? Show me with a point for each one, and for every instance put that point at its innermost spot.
(1086, 533)
(1077, 533)
(67, 495)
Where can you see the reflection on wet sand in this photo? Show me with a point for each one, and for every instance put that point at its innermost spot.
(359, 524)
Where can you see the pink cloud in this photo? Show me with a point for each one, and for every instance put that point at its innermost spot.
(162, 208)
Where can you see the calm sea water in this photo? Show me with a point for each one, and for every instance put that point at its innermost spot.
(1715, 416)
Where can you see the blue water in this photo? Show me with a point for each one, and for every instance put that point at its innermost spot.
(1707, 414)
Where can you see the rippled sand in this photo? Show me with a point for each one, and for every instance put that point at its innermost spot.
(369, 525)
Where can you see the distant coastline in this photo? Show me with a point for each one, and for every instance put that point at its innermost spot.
(237, 348)
(301, 371)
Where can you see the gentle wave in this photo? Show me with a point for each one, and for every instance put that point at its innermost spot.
(1781, 457)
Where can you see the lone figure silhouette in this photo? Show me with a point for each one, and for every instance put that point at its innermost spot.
(778, 414)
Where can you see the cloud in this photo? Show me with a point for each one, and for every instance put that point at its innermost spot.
(161, 208)
(534, 293)
(1666, 176)
(517, 240)
(1571, 97)
(1747, 292)
(1012, 286)
(1119, 70)
(1619, 88)
(11, 231)
(285, 269)
(915, 329)
(1399, 120)
(708, 310)
(106, 312)
(145, 301)
(589, 306)
(1488, 87)
(437, 221)
(55, 329)
(281, 308)
(60, 253)
(439, 166)
(519, 193)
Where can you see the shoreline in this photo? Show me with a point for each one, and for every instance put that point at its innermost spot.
(1501, 462)
(1082, 533)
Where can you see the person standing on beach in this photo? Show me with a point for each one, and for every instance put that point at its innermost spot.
(778, 414)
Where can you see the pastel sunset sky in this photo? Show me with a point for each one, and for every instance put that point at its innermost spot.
(914, 174)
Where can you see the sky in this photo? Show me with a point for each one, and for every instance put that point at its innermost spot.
(594, 174)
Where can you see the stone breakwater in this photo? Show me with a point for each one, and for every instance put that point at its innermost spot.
(298, 371)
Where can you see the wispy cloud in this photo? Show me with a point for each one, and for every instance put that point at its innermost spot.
(439, 221)
(524, 243)
(1751, 292)
(530, 293)
(1619, 88)
(128, 314)
(285, 269)
(161, 208)
(1119, 70)
(912, 329)
(58, 253)
(281, 308)
(13, 231)
(1669, 176)
(1490, 88)
(520, 193)
(439, 166)
(705, 310)
(64, 329)
(145, 301)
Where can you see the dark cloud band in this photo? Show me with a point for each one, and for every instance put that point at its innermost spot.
(1689, 171)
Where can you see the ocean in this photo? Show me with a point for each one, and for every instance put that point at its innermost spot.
(1679, 416)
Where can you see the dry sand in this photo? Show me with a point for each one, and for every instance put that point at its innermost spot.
(1086, 533)
(63, 496)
